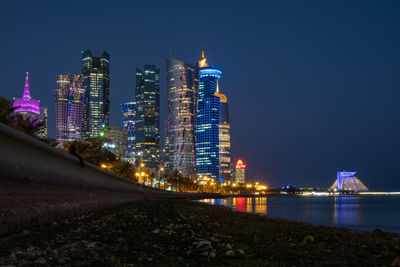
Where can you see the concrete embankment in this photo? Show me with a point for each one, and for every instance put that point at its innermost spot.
(39, 184)
(25, 158)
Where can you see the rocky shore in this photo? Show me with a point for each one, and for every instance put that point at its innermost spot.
(184, 233)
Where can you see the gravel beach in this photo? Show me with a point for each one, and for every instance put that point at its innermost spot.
(184, 233)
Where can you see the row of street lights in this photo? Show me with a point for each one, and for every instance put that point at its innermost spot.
(202, 180)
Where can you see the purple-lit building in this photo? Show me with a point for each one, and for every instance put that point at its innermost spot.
(27, 106)
(69, 98)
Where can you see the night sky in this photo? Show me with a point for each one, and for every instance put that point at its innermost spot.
(313, 86)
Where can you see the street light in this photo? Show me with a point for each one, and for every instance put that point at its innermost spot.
(161, 169)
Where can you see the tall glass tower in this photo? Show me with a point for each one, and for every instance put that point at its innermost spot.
(224, 139)
(147, 94)
(69, 100)
(43, 119)
(96, 81)
(207, 121)
(182, 86)
(128, 121)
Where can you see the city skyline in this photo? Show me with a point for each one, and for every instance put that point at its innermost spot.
(299, 85)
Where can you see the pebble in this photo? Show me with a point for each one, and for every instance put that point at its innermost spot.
(41, 261)
(230, 253)
(204, 253)
(308, 239)
(170, 226)
(396, 262)
(203, 245)
(91, 245)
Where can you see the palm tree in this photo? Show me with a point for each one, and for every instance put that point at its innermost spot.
(17, 121)
(6, 111)
(124, 169)
(91, 150)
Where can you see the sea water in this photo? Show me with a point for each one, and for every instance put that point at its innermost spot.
(354, 212)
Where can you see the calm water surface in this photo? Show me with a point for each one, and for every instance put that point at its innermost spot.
(354, 212)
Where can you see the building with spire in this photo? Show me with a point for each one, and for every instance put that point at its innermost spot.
(147, 125)
(26, 106)
(96, 81)
(207, 121)
(69, 104)
(182, 90)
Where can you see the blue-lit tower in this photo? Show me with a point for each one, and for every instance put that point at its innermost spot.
(128, 121)
(207, 121)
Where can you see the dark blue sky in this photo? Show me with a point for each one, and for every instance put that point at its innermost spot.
(313, 86)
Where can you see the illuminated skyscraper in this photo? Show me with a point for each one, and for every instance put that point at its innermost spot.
(128, 121)
(69, 99)
(43, 119)
(207, 121)
(147, 125)
(182, 86)
(224, 139)
(27, 106)
(240, 172)
(118, 137)
(96, 81)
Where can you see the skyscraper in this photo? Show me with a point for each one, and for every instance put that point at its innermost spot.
(224, 139)
(207, 121)
(96, 81)
(27, 106)
(240, 172)
(43, 119)
(69, 100)
(118, 137)
(128, 121)
(147, 94)
(182, 86)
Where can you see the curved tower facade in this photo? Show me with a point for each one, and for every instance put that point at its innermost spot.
(182, 86)
(69, 100)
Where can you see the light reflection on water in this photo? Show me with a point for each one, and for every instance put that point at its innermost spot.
(354, 212)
